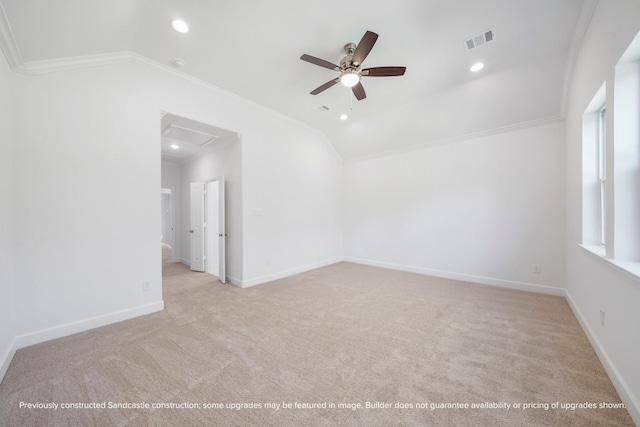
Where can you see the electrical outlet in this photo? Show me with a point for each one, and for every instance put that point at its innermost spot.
(602, 318)
(146, 285)
(537, 269)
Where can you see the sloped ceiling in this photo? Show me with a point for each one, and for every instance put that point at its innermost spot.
(252, 48)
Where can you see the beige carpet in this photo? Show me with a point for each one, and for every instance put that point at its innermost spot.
(341, 336)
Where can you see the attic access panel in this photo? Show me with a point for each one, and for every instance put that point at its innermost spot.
(188, 136)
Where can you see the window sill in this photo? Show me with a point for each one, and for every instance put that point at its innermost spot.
(631, 269)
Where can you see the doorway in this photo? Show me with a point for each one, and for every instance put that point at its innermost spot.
(196, 159)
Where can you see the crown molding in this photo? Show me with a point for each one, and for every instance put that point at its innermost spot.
(14, 58)
(31, 68)
(8, 44)
(66, 64)
(460, 138)
(11, 51)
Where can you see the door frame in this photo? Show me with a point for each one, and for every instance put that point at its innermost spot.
(226, 136)
(172, 220)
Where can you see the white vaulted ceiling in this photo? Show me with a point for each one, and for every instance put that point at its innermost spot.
(252, 49)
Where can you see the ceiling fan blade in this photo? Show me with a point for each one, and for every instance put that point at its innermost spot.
(325, 86)
(364, 47)
(384, 71)
(358, 91)
(320, 62)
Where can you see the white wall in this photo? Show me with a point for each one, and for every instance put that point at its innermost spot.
(167, 220)
(594, 284)
(87, 181)
(7, 302)
(292, 201)
(87, 174)
(170, 175)
(170, 178)
(486, 209)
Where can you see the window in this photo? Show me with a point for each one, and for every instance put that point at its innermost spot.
(625, 224)
(611, 168)
(602, 173)
(594, 173)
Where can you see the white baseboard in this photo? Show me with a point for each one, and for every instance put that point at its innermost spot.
(627, 396)
(234, 281)
(7, 357)
(59, 331)
(285, 273)
(521, 286)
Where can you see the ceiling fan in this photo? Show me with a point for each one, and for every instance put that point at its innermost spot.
(350, 67)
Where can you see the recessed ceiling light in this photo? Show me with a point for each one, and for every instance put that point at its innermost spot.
(477, 67)
(180, 26)
(174, 146)
(343, 117)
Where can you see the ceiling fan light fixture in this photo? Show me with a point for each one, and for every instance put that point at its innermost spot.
(350, 78)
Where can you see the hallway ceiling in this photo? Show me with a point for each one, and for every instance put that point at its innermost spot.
(252, 49)
(183, 139)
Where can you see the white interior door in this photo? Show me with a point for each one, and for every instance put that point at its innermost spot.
(211, 212)
(222, 233)
(196, 229)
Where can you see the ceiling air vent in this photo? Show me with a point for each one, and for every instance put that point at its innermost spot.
(479, 40)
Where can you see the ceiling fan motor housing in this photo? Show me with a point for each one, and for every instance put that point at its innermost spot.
(346, 63)
(349, 48)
